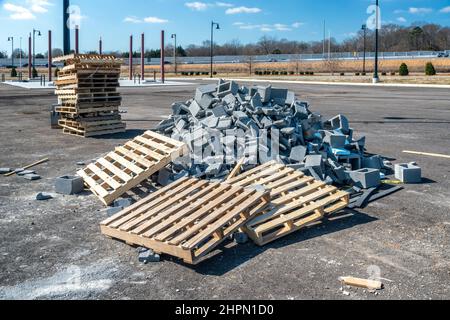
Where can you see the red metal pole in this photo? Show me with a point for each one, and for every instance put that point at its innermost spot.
(30, 54)
(100, 46)
(50, 55)
(131, 58)
(142, 57)
(162, 58)
(77, 40)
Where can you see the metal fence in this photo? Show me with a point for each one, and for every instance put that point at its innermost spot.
(264, 58)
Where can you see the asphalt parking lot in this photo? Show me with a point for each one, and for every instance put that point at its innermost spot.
(54, 249)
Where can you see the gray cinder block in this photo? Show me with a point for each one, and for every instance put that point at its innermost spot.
(408, 172)
(240, 238)
(340, 122)
(335, 140)
(123, 202)
(110, 211)
(148, 256)
(375, 162)
(164, 177)
(32, 177)
(365, 178)
(5, 170)
(315, 162)
(69, 185)
(298, 154)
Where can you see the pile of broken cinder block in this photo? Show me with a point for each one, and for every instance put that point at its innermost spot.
(228, 122)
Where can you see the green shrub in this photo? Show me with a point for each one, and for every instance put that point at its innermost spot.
(302, 73)
(292, 73)
(403, 71)
(363, 74)
(384, 74)
(56, 72)
(13, 72)
(342, 74)
(34, 73)
(430, 70)
(393, 73)
(357, 73)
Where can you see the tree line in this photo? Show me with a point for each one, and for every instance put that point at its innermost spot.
(393, 37)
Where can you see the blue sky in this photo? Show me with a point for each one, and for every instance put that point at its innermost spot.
(246, 20)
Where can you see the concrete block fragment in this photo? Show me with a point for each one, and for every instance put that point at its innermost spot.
(148, 256)
(266, 122)
(240, 238)
(210, 122)
(256, 101)
(5, 170)
(335, 140)
(204, 90)
(365, 178)
(69, 185)
(265, 93)
(290, 98)
(165, 177)
(206, 101)
(375, 162)
(224, 124)
(18, 170)
(353, 160)
(340, 122)
(279, 96)
(214, 169)
(219, 111)
(315, 162)
(123, 202)
(227, 88)
(43, 197)
(32, 177)
(25, 172)
(288, 131)
(408, 172)
(110, 211)
(194, 109)
(298, 153)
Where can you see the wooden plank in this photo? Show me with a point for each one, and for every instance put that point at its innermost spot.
(362, 283)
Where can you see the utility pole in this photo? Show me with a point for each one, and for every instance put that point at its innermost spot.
(30, 75)
(212, 44)
(364, 28)
(130, 58)
(77, 39)
(50, 55)
(174, 36)
(100, 46)
(20, 54)
(163, 58)
(329, 45)
(143, 56)
(324, 38)
(12, 50)
(66, 30)
(376, 78)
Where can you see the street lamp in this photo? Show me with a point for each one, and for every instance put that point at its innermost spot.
(376, 78)
(34, 53)
(364, 29)
(212, 43)
(174, 36)
(12, 50)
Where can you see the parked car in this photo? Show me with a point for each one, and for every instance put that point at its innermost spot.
(189, 62)
(53, 66)
(443, 55)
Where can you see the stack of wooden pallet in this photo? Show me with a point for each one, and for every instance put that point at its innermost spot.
(87, 93)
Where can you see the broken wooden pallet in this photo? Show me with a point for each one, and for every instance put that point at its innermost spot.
(127, 166)
(186, 219)
(296, 201)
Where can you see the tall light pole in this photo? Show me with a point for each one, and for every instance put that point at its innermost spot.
(324, 38)
(12, 50)
(376, 78)
(174, 36)
(364, 29)
(20, 53)
(34, 45)
(213, 24)
(66, 29)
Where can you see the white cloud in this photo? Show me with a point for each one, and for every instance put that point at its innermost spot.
(297, 25)
(401, 19)
(18, 12)
(39, 6)
(132, 20)
(197, 6)
(238, 10)
(264, 27)
(445, 10)
(224, 4)
(155, 20)
(419, 10)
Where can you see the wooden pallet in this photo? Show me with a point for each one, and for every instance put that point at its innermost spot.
(186, 219)
(100, 132)
(89, 57)
(127, 166)
(297, 201)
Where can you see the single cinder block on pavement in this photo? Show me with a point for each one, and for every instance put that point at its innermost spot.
(365, 178)
(148, 256)
(32, 177)
(5, 170)
(123, 202)
(408, 173)
(69, 185)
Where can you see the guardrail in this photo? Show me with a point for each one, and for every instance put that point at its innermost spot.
(262, 58)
